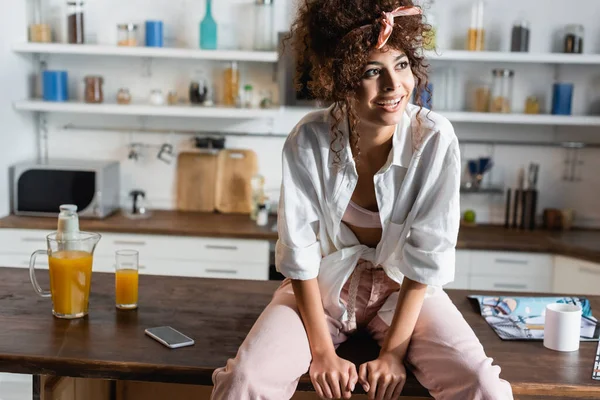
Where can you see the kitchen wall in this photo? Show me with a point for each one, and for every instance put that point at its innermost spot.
(17, 133)
(182, 17)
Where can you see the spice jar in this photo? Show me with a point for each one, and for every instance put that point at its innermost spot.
(574, 39)
(123, 96)
(502, 87)
(39, 30)
(532, 105)
(248, 96)
(520, 36)
(198, 90)
(75, 31)
(93, 89)
(156, 97)
(264, 22)
(476, 33)
(172, 98)
(127, 35)
(481, 97)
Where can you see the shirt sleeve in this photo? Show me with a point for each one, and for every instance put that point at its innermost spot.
(429, 249)
(297, 252)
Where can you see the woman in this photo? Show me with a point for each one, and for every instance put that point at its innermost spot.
(368, 221)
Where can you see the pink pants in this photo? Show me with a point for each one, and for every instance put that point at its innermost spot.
(444, 353)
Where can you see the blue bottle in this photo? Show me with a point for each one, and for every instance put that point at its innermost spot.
(208, 29)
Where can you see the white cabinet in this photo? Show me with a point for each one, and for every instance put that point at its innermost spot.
(511, 271)
(573, 276)
(159, 254)
(502, 271)
(462, 270)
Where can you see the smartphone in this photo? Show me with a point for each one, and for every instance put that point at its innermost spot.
(170, 337)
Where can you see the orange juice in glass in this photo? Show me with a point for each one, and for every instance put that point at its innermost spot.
(126, 279)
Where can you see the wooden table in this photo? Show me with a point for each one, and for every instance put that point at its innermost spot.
(218, 314)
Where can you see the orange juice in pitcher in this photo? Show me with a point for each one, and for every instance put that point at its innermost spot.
(70, 257)
(70, 281)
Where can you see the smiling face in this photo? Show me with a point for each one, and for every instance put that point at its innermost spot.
(385, 88)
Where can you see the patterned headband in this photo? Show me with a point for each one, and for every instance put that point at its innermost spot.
(387, 22)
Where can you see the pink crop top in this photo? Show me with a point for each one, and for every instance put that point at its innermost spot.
(360, 217)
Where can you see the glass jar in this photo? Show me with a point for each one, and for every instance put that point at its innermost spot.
(231, 83)
(520, 36)
(574, 39)
(75, 30)
(172, 98)
(198, 91)
(248, 100)
(264, 22)
(156, 97)
(39, 29)
(93, 89)
(532, 105)
(502, 88)
(123, 96)
(481, 97)
(476, 33)
(127, 35)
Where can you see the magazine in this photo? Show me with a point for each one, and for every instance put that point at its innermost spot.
(596, 371)
(522, 318)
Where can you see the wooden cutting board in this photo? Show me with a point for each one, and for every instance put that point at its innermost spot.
(196, 181)
(234, 173)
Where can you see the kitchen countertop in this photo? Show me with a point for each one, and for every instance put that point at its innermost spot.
(582, 244)
(218, 314)
(162, 222)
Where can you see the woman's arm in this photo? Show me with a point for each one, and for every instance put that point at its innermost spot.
(308, 299)
(410, 300)
(332, 376)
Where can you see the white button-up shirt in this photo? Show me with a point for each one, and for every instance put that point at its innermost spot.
(417, 193)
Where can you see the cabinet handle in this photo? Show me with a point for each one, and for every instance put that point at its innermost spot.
(141, 267)
(220, 247)
(510, 286)
(129, 243)
(222, 271)
(587, 270)
(509, 261)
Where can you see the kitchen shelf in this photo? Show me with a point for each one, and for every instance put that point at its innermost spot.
(521, 119)
(296, 113)
(148, 52)
(482, 190)
(146, 110)
(289, 113)
(513, 57)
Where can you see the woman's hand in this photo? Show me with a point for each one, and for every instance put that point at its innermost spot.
(384, 377)
(332, 376)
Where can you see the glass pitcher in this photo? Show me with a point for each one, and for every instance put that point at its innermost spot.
(70, 266)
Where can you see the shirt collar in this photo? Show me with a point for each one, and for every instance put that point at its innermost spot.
(402, 144)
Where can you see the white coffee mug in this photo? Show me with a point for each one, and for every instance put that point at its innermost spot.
(562, 328)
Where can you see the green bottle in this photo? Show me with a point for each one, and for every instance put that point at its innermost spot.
(208, 29)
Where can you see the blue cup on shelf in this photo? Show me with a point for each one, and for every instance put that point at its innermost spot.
(154, 34)
(562, 96)
(54, 86)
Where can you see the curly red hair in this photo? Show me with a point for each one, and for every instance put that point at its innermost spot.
(325, 37)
